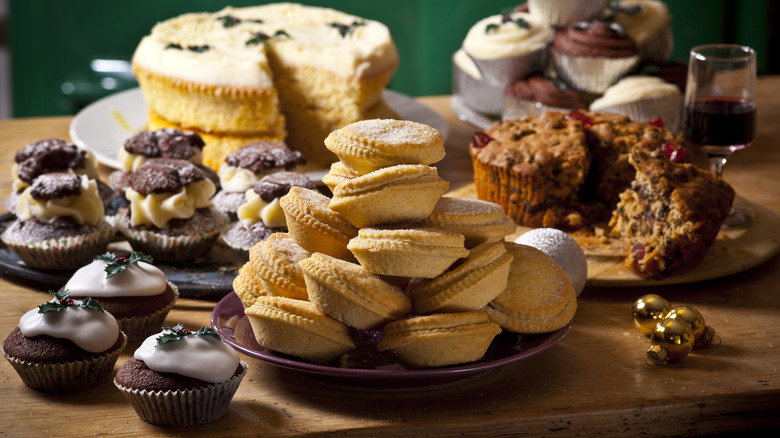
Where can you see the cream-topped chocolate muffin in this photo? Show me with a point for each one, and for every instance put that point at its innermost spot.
(65, 345)
(170, 216)
(261, 215)
(52, 156)
(60, 222)
(130, 287)
(245, 167)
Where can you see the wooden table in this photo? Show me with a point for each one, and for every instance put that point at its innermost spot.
(596, 381)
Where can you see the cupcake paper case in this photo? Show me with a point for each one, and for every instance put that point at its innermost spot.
(642, 99)
(65, 345)
(181, 378)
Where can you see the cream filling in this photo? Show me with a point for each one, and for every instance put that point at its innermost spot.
(633, 88)
(229, 61)
(159, 208)
(138, 280)
(204, 358)
(130, 161)
(255, 209)
(506, 39)
(85, 209)
(91, 330)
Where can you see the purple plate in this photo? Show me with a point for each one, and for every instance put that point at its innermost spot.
(229, 321)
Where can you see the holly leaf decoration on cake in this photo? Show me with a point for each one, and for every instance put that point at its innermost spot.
(506, 17)
(261, 37)
(229, 20)
(346, 29)
(62, 301)
(117, 264)
(178, 332)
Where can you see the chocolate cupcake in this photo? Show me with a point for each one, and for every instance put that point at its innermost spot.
(538, 94)
(261, 215)
(60, 223)
(591, 56)
(170, 216)
(181, 378)
(161, 143)
(508, 47)
(129, 287)
(53, 156)
(244, 168)
(65, 345)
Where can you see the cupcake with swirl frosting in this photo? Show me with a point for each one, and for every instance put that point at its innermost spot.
(538, 94)
(562, 13)
(591, 56)
(60, 223)
(649, 24)
(643, 99)
(65, 345)
(180, 377)
(508, 47)
(170, 216)
(469, 85)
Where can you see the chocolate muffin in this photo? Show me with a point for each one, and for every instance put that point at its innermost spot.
(260, 215)
(245, 167)
(170, 215)
(60, 222)
(51, 351)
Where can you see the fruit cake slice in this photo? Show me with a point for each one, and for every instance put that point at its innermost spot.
(670, 215)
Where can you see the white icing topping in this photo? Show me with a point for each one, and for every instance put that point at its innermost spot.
(138, 280)
(507, 38)
(633, 88)
(563, 249)
(86, 208)
(200, 357)
(230, 61)
(158, 208)
(255, 209)
(91, 330)
(642, 25)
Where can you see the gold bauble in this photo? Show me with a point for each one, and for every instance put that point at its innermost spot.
(672, 340)
(702, 333)
(648, 310)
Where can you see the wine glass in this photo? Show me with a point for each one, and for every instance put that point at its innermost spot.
(720, 106)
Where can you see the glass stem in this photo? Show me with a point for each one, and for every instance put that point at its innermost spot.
(717, 162)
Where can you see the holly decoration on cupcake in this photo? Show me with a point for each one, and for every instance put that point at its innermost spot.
(117, 264)
(62, 301)
(178, 332)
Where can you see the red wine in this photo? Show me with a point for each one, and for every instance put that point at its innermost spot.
(719, 121)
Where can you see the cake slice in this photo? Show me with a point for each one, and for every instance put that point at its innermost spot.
(670, 215)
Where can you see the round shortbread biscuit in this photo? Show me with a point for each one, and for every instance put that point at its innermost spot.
(349, 293)
(314, 226)
(368, 145)
(399, 193)
(275, 263)
(298, 328)
(479, 221)
(407, 252)
(470, 285)
(439, 339)
(538, 298)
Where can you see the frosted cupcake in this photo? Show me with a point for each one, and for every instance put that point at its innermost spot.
(649, 24)
(469, 85)
(129, 287)
(562, 13)
(245, 167)
(178, 377)
(508, 47)
(60, 223)
(538, 94)
(170, 216)
(53, 156)
(642, 99)
(591, 56)
(65, 345)
(261, 215)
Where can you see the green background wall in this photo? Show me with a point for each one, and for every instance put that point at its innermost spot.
(53, 43)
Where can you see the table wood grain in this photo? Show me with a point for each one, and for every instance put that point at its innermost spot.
(595, 382)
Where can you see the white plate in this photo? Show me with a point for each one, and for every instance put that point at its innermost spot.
(103, 126)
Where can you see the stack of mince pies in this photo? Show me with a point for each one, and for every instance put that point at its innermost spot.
(388, 254)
